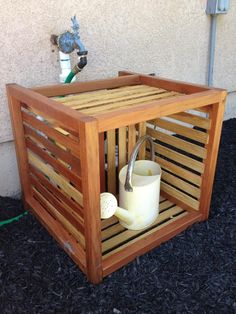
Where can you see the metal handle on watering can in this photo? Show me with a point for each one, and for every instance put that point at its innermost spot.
(133, 156)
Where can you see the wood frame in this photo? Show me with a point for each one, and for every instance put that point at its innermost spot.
(72, 149)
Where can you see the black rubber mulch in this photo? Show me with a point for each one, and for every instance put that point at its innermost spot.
(193, 273)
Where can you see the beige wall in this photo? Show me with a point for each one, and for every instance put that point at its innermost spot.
(169, 38)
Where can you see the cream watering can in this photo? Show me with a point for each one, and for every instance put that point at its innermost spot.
(139, 190)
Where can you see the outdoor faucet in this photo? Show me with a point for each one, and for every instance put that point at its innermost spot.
(67, 42)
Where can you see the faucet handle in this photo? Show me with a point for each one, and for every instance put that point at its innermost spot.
(133, 156)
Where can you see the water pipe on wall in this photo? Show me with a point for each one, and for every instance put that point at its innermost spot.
(214, 8)
(67, 42)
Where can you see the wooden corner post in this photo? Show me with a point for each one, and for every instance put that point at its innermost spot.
(216, 115)
(89, 139)
(21, 149)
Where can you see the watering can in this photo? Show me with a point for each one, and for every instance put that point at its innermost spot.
(139, 191)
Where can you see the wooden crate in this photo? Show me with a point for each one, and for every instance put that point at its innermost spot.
(71, 141)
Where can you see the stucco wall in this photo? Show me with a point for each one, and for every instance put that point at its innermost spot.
(169, 38)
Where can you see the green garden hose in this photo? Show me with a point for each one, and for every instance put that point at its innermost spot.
(8, 221)
(69, 77)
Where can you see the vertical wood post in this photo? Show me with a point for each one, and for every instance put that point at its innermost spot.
(21, 150)
(216, 116)
(89, 139)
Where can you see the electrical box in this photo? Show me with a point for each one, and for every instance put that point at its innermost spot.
(217, 6)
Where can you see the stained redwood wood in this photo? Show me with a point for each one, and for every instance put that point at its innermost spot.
(91, 191)
(181, 196)
(58, 166)
(75, 209)
(131, 139)
(158, 108)
(192, 119)
(55, 177)
(79, 87)
(180, 86)
(122, 146)
(216, 115)
(142, 130)
(65, 117)
(195, 135)
(148, 242)
(179, 158)
(21, 152)
(54, 149)
(102, 162)
(178, 143)
(73, 224)
(51, 133)
(111, 161)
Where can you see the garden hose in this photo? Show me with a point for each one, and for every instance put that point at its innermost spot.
(16, 218)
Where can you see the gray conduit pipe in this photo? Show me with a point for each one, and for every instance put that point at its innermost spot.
(212, 49)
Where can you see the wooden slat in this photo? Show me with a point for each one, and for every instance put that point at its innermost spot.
(131, 139)
(181, 159)
(178, 143)
(111, 161)
(56, 214)
(108, 222)
(57, 151)
(99, 93)
(50, 132)
(179, 171)
(114, 98)
(102, 163)
(106, 95)
(126, 103)
(117, 228)
(161, 82)
(61, 208)
(58, 166)
(216, 115)
(67, 242)
(153, 109)
(90, 168)
(142, 126)
(79, 87)
(192, 119)
(128, 234)
(149, 240)
(182, 130)
(180, 195)
(122, 147)
(76, 210)
(180, 184)
(62, 182)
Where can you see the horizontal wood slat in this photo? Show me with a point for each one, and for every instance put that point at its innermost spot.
(179, 171)
(58, 166)
(57, 151)
(59, 180)
(52, 133)
(180, 184)
(75, 209)
(61, 208)
(179, 158)
(178, 143)
(191, 202)
(192, 119)
(182, 130)
(57, 215)
(119, 239)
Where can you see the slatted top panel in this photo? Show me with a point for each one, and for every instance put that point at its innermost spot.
(107, 100)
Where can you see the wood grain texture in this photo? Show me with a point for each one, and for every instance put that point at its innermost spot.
(148, 242)
(216, 115)
(91, 192)
(80, 87)
(66, 241)
(122, 147)
(111, 161)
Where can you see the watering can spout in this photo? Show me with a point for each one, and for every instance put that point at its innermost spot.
(109, 207)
